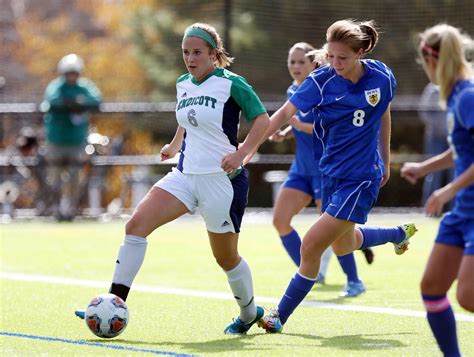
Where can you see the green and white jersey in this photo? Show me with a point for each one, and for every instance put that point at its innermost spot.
(209, 111)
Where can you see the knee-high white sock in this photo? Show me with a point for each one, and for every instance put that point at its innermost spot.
(325, 259)
(129, 260)
(240, 281)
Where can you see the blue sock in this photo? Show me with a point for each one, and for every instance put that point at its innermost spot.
(292, 244)
(443, 324)
(295, 293)
(377, 236)
(349, 267)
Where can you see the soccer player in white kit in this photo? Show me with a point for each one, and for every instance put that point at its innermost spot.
(209, 175)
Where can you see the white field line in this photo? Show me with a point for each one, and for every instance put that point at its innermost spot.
(216, 295)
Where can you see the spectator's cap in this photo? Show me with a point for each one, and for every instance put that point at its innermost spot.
(70, 63)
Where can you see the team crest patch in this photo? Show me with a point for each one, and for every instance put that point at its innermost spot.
(372, 96)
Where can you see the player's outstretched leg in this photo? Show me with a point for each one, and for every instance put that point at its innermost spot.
(399, 236)
(354, 286)
(298, 288)
(127, 265)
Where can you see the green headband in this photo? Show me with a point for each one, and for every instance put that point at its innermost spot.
(204, 35)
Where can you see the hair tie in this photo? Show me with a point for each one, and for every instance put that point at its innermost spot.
(202, 34)
(428, 49)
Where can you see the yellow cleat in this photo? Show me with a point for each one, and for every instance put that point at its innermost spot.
(410, 230)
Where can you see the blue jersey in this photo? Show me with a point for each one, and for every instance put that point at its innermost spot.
(304, 163)
(460, 117)
(348, 118)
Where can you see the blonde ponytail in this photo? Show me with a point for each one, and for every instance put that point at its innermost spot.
(448, 45)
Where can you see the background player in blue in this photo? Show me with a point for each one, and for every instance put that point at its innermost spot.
(352, 97)
(303, 183)
(442, 56)
(209, 175)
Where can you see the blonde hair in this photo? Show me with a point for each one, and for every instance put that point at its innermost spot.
(222, 57)
(357, 35)
(449, 46)
(317, 56)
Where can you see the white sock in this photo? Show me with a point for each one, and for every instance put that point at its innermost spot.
(325, 259)
(240, 281)
(129, 260)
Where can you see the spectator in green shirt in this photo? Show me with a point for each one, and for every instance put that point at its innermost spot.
(68, 100)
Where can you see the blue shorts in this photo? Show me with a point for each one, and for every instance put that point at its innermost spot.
(349, 200)
(458, 231)
(310, 185)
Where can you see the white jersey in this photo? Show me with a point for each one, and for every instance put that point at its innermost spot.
(209, 111)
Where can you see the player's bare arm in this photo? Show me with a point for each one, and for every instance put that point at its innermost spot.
(435, 203)
(301, 126)
(170, 150)
(277, 120)
(232, 161)
(412, 171)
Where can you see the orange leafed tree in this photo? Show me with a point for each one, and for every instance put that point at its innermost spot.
(98, 32)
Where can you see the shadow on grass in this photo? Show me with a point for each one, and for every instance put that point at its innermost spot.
(256, 342)
(356, 342)
(326, 287)
(228, 344)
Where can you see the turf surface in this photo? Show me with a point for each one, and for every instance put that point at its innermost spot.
(179, 256)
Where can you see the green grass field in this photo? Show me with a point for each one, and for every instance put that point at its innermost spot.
(179, 256)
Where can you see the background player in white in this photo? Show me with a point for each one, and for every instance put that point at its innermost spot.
(209, 175)
(442, 56)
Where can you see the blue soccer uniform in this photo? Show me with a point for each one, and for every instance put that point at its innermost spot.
(304, 174)
(457, 227)
(347, 125)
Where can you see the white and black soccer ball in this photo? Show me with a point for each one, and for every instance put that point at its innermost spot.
(107, 315)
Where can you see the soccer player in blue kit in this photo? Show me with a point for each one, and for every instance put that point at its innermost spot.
(352, 98)
(443, 59)
(303, 183)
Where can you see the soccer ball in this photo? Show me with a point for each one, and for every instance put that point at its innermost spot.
(106, 315)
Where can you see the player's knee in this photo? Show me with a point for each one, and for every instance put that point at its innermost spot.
(431, 285)
(134, 226)
(341, 250)
(465, 298)
(311, 249)
(281, 224)
(227, 262)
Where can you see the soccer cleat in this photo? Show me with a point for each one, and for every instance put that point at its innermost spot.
(320, 279)
(271, 322)
(410, 230)
(369, 255)
(80, 313)
(238, 327)
(353, 289)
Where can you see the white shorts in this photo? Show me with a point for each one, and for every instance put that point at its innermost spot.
(221, 201)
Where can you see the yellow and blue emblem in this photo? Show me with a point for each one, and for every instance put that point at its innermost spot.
(372, 96)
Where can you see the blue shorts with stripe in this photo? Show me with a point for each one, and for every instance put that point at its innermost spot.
(310, 185)
(350, 200)
(457, 231)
